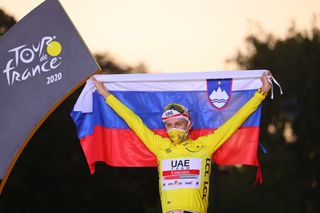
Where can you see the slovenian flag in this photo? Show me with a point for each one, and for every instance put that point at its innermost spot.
(211, 98)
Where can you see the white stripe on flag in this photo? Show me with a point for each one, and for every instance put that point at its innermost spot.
(242, 80)
(158, 86)
(239, 74)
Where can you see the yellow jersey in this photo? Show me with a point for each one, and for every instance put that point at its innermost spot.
(184, 169)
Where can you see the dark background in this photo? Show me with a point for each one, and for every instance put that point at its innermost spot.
(52, 175)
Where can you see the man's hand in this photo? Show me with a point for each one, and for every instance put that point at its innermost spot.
(100, 87)
(266, 85)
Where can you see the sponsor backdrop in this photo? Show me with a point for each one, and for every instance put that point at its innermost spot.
(43, 59)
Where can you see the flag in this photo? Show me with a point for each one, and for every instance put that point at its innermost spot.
(210, 97)
(42, 60)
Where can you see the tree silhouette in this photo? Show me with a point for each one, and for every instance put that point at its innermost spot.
(110, 65)
(6, 22)
(290, 130)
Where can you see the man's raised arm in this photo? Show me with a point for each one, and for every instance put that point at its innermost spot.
(147, 136)
(225, 131)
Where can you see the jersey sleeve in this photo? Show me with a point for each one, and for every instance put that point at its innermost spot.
(146, 135)
(214, 140)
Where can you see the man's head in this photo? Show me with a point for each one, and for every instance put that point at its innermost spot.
(177, 122)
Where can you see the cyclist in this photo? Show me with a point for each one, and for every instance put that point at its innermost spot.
(184, 164)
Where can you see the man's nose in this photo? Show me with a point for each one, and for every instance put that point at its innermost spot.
(176, 125)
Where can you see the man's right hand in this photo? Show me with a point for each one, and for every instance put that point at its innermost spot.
(266, 85)
(100, 87)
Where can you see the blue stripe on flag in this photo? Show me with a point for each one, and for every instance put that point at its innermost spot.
(149, 107)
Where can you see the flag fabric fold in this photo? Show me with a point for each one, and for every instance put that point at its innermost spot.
(211, 98)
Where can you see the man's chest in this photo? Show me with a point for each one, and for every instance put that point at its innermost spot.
(183, 168)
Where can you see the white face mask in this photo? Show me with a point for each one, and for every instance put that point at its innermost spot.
(177, 135)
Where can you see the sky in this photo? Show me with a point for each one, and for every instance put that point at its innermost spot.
(176, 35)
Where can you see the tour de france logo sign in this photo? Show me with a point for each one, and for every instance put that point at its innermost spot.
(27, 61)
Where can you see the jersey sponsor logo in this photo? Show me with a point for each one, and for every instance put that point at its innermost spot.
(169, 113)
(168, 150)
(219, 92)
(206, 183)
(194, 149)
(181, 173)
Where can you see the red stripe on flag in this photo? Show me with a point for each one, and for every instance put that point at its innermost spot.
(116, 147)
(241, 148)
(121, 147)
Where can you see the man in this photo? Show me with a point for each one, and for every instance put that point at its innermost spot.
(179, 156)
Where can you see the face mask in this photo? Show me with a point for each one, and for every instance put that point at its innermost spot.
(177, 135)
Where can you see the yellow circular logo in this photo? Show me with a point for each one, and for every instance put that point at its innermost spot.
(54, 48)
